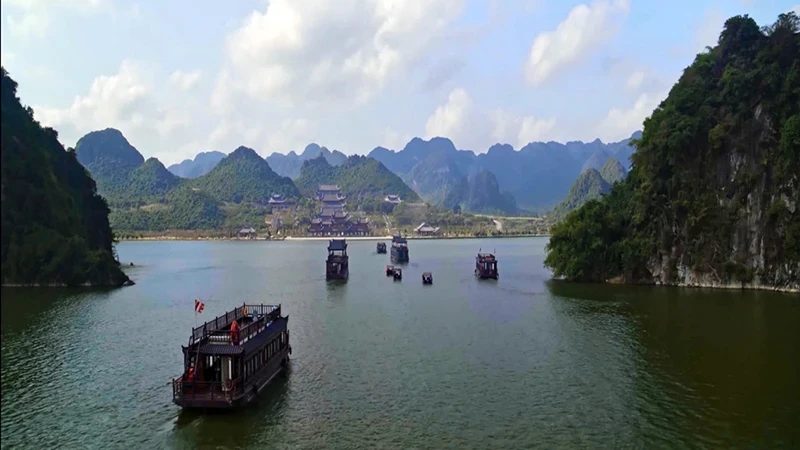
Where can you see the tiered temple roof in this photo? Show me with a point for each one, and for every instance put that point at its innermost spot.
(332, 219)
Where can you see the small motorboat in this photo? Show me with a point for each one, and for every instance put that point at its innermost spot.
(398, 274)
(389, 270)
(381, 248)
(427, 278)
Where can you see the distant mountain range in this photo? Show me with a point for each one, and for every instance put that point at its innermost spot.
(199, 166)
(538, 175)
(289, 165)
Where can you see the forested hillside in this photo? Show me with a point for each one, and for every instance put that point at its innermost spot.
(55, 228)
(359, 178)
(712, 196)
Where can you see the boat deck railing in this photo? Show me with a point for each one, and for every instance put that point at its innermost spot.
(205, 390)
(222, 323)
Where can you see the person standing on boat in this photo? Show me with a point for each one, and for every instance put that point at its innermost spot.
(235, 332)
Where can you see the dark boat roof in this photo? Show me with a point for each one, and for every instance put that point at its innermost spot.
(399, 240)
(486, 256)
(428, 274)
(337, 245)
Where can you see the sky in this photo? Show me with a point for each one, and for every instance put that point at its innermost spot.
(180, 77)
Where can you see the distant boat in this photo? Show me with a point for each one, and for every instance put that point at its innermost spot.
(337, 266)
(381, 247)
(389, 270)
(486, 266)
(399, 250)
(427, 278)
(398, 274)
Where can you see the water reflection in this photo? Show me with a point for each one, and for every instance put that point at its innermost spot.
(711, 366)
(240, 428)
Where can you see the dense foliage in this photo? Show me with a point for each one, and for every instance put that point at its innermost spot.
(54, 225)
(712, 195)
(123, 177)
(359, 178)
(590, 185)
(183, 209)
(243, 176)
(613, 171)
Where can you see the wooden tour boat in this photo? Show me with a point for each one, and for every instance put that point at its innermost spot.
(337, 266)
(398, 274)
(486, 266)
(381, 247)
(399, 250)
(230, 359)
(427, 278)
(389, 270)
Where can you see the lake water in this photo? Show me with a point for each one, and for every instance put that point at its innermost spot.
(523, 362)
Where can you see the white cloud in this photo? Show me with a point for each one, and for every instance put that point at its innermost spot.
(620, 123)
(236, 129)
(635, 80)
(472, 128)
(453, 118)
(7, 59)
(112, 101)
(291, 134)
(519, 131)
(128, 102)
(37, 15)
(708, 30)
(585, 29)
(30, 25)
(394, 140)
(185, 81)
(301, 51)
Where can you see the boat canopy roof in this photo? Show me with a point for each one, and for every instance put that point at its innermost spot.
(337, 245)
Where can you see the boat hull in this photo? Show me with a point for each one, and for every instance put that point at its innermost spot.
(214, 399)
(338, 276)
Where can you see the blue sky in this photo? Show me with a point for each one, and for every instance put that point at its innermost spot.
(180, 77)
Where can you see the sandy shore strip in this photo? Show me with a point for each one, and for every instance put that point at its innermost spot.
(328, 238)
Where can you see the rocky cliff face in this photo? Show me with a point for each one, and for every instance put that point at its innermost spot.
(711, 196)
(761, 206)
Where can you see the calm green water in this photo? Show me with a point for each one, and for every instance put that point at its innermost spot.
(519, 363)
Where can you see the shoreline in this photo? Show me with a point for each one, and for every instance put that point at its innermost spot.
(320, 238)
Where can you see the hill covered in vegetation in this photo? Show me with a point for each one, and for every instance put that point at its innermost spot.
(359, 178)
(123, 176)
(711, 199)
(590, 185)
(243, 176)
(55, 226)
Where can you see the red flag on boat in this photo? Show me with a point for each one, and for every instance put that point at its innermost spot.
(198, 306)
